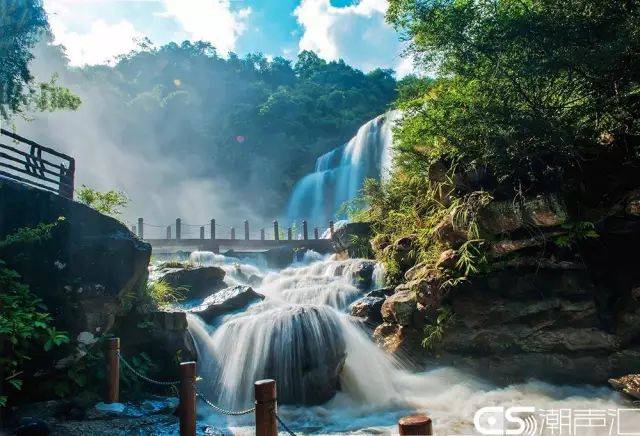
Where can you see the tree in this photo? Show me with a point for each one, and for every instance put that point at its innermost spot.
(23, 23)
(532, 89)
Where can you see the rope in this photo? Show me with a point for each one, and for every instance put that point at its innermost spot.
(287, 429)
(224, 411)
(144, 377)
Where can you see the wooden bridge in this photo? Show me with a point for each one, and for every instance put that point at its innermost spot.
(180, 236)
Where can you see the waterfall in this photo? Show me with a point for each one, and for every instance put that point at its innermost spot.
(339, 174)
(331, 377)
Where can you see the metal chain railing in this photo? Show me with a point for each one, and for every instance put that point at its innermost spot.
(284, 426)
(220, 409)
(144, 377)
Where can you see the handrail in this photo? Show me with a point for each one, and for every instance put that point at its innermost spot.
(35, 167)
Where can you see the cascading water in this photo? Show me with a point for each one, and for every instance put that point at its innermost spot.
(301, 335)
(339, 174)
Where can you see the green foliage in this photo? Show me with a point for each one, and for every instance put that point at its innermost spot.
(23, 22)
(359, 247)
(25, 326)
(576, 231)
(109, 202)
(163, 294)
(528, 89)
(31, 235)
(433, 331)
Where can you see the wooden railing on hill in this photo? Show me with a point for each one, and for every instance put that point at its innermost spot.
(36, 165)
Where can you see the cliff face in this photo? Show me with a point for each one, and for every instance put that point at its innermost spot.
(558, 298)
(84, 272)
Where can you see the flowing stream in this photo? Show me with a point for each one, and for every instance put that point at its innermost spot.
(302, 336)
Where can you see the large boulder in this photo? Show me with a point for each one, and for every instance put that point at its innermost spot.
(353, 238)
(226, 301)
(500, 217)
(198, 282)
(84, 271)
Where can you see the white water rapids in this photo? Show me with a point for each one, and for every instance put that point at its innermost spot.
(303, 323)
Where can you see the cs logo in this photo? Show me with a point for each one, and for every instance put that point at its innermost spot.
(505, 421)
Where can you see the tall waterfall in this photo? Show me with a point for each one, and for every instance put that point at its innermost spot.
(339, 174)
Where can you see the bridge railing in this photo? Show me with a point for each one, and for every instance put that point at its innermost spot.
(36, 165)
(214, 231)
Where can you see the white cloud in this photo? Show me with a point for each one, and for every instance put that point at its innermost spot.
(209, 20)
(357, 33)
(100, 45)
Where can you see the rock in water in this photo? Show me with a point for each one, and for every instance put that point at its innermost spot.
(369, 309)
(226, 301)
(199, 282)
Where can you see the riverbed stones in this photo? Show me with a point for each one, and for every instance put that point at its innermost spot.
(226, 301)
(628, 384)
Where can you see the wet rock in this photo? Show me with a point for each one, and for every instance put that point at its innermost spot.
(389, 336)
(362, 274)
(380, 242)
(380, 293)
(368, 308)
(628, 384)
(226, 301)
(400, 308)
(199, 282)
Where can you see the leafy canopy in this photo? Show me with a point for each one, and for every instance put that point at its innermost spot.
(23, 22)
(528, 88)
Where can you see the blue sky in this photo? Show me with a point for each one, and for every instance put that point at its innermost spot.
(95, 31)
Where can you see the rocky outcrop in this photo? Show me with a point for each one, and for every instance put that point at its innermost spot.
(84, 271)
(197, 282)
(628, 384)
(226, 301)
(538, 306)
(353, 238)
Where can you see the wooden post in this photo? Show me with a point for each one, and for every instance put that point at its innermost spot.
(233, 233)
(315, 233)
(178, 228)
(113, 370)
(213, 229)
(330, 229)
(187, 399)
(246, 230)
(289, 232)
(305, 234)
(262, 234)
(201, 232)
(276, 231)
(265, 395)
(168, 232)
(418, 424)
(140, 228)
